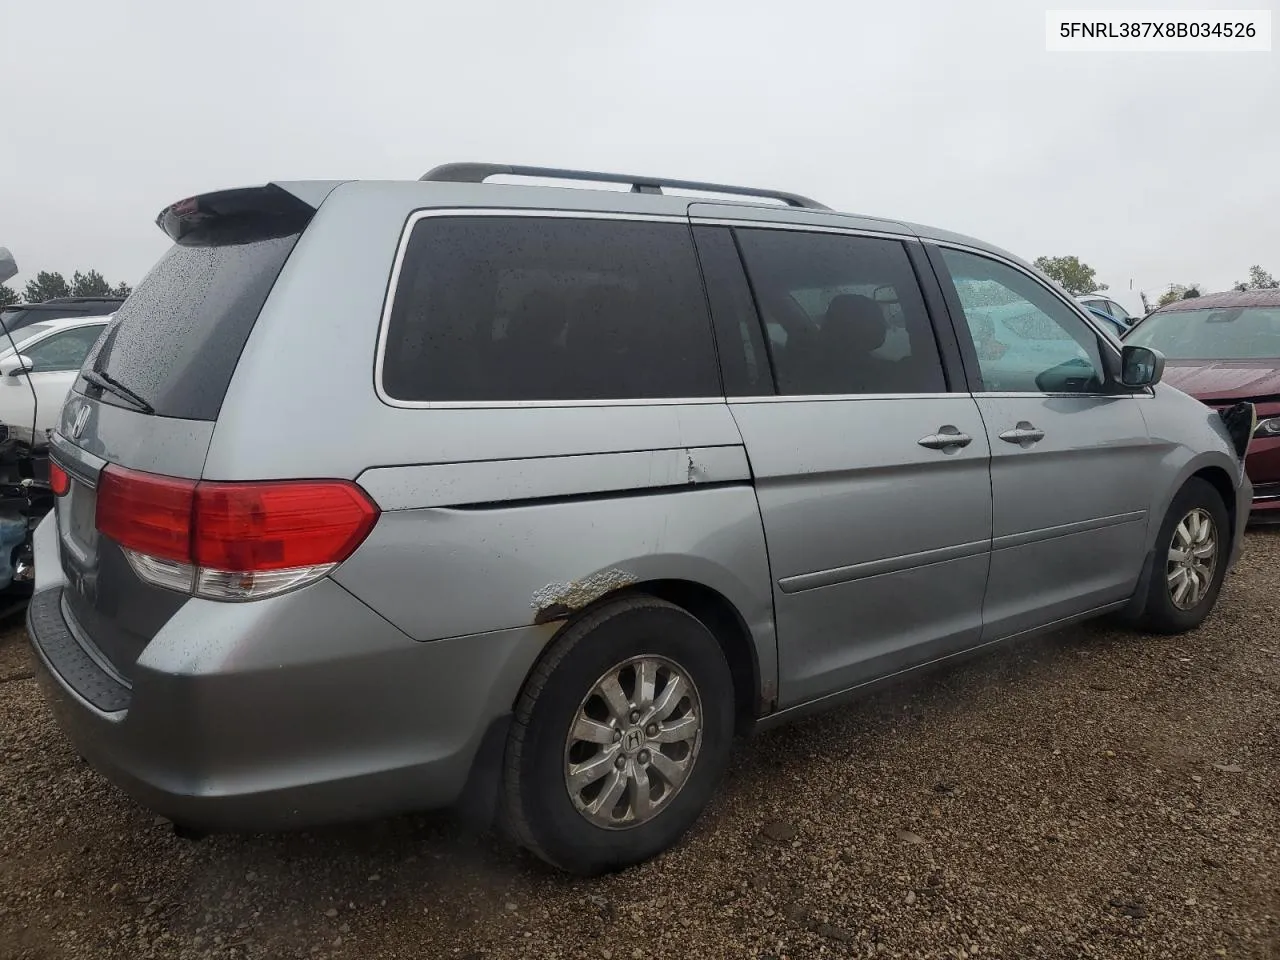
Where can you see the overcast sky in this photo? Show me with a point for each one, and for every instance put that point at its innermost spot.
(1151, 167)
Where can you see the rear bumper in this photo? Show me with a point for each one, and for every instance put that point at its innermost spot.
(300, 710)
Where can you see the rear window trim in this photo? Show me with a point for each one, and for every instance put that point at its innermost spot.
(394, 281)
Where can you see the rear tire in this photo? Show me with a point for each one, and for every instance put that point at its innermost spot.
(619, 737)
(1191, 554)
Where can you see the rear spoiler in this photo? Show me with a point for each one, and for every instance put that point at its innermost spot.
(241, 215)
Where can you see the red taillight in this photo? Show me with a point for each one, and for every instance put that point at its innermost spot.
(240, 528)
(146, 513)
(277, 526)
(59, 482)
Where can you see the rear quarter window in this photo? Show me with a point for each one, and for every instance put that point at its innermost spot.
(548, 308)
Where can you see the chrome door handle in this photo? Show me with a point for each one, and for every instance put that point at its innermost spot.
(1024, 433)
(946, 438)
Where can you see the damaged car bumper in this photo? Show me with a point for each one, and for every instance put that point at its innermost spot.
(203, 731)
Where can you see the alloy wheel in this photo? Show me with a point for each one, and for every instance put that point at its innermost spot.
(633, 742)
(1193, 557)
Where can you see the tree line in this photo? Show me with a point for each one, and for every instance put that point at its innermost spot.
(1078, 278)
(47, 286)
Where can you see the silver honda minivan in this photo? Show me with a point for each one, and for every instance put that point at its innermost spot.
(381, 496)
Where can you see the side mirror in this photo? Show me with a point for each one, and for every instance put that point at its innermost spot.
(13, 367)
(8, 266)
(1140, 366)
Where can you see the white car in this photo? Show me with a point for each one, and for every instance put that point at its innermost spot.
(36, 377)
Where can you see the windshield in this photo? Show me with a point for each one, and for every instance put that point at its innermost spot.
(1226, 333)
(23, 337)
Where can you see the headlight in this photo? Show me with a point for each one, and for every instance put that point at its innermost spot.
(1267, 428)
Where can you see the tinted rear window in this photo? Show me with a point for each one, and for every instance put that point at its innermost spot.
(844, 314)
(530, 308)
(178, 337)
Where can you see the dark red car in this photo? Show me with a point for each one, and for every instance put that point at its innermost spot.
(1221, 349)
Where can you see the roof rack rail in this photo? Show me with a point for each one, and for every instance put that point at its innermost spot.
(480, 172)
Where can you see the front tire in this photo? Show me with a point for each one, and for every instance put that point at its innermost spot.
(619, 737)
(1191, 556)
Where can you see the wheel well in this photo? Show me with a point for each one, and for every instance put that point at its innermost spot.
(725, 623)
(1221, 481)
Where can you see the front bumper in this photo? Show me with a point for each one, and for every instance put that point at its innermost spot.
(1263, 466)
(303, 709)
(1266, 503)
(1244, 499)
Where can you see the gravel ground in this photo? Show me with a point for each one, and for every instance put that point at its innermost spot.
(1091, 794)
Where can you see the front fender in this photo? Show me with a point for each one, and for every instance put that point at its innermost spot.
(1191, 439)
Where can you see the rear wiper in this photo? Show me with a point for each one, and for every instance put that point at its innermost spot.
(109, 384)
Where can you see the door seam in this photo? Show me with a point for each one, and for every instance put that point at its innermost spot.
(991, 496)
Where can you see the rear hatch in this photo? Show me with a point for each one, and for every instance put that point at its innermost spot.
(149, 395)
